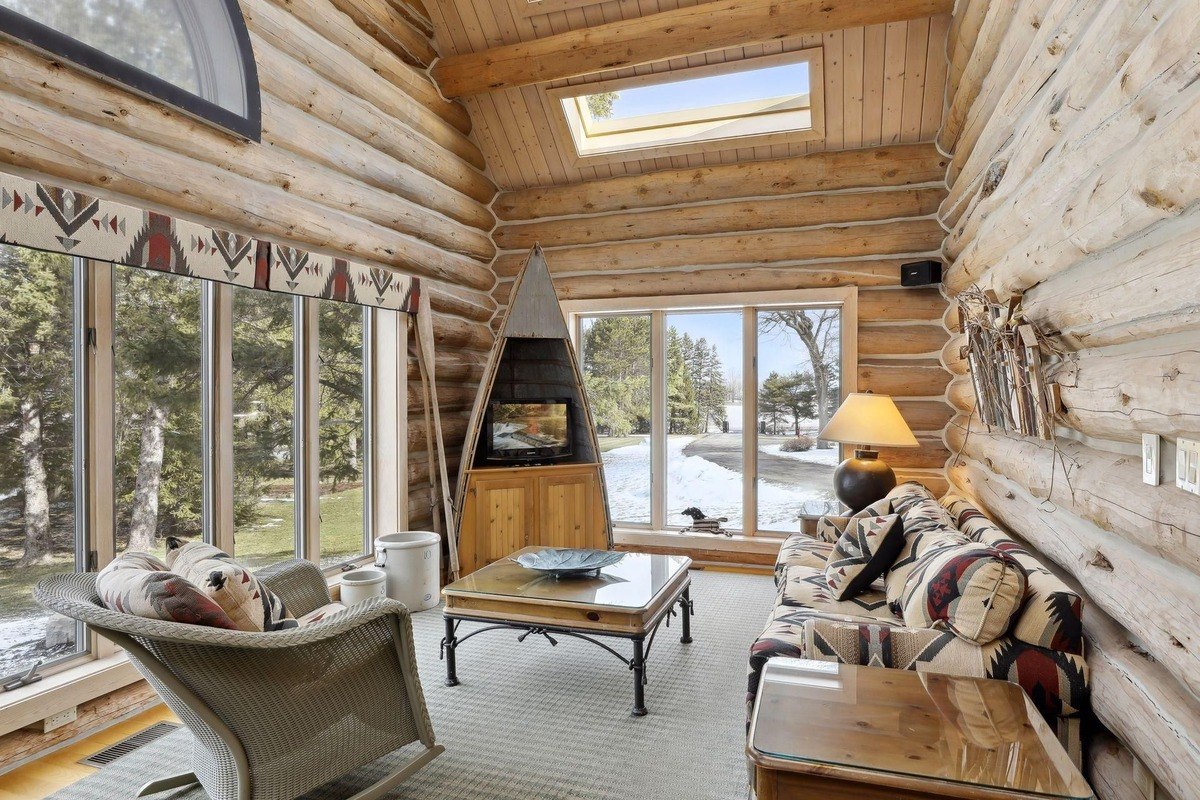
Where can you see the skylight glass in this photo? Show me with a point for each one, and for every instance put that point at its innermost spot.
(691, 106)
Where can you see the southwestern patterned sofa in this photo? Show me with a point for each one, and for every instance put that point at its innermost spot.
(1042, 650)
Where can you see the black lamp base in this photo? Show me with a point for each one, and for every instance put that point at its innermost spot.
(863, 479)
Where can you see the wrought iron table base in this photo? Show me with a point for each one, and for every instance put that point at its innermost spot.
(636, 663)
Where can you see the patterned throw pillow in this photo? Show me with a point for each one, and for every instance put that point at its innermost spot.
(251, 606)
(971, 590)
(140, 584)
(862, 554)
(926, 526)
(830, 529)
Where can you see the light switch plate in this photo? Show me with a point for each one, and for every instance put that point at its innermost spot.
(1151, 450)
(1187, 465)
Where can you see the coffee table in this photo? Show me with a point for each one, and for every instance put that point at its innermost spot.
(628, 600)
(837, 731)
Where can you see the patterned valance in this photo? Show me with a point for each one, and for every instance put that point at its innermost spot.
(48, 217)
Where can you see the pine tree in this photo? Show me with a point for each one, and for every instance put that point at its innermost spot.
(616, 367)
(683, 417)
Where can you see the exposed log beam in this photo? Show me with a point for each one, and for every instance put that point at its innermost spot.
(665, 35)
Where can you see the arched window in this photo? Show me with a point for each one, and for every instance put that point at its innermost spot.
(192, 54)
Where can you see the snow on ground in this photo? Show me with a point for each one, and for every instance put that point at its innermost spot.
(828, 456)
(696, 481)
(23, 641)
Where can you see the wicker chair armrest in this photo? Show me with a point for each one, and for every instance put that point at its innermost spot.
(299, 583)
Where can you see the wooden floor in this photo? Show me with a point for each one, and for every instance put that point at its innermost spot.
(52, 772)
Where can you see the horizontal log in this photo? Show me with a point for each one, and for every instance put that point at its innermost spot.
(1110, 769)
(932, 454)
(343, 32)
(270, 23)
(902, 380)
(386, 26)
(301, 87)
(288, 128)
(1143, 593)
(993, 26)
(965, 26)
(72, 93)
(933, 480)
(899, 165)
(1060, 218)
(460, 301)
(740, 216)
(1139, 700)
(60, 146)
(661, 36)
(925, 416)
(453, 366)
(461, 333)
(1122, 392)
(1102, 488)
(1140, 288)
(652, 283)
(900, 340)
(836, 242)
(901, 305)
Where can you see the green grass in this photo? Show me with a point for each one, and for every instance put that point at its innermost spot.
(613, 442)
(272, 539)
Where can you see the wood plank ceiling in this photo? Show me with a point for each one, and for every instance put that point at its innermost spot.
(884, 84)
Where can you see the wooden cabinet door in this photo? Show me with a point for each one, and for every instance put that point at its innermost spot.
(566, 509)
(502, 519)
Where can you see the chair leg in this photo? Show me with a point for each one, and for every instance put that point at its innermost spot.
(173, 782)
(383, 785)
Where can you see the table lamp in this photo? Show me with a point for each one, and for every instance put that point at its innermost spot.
(866, 420)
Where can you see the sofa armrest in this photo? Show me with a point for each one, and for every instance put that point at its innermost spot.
(299, 584)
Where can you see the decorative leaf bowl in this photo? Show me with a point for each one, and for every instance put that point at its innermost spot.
(568, 562)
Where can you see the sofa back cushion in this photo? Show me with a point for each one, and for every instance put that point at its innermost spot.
(141, 585)
(250, 604)
(926, 526)
(1052, 615)
(863, 553)
(970, 589)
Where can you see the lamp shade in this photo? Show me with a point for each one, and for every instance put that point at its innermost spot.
(869, 419)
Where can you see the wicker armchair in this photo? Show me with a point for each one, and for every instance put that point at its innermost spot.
(277, 714)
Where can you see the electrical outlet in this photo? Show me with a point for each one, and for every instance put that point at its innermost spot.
(1151, 450)
(55, 721)
(1187, 465)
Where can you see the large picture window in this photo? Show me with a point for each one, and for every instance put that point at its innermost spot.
(41, 527)
(698, 403)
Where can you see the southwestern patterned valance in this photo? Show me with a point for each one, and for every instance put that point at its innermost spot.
(48, 217)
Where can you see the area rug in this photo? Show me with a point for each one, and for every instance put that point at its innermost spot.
(533, 721)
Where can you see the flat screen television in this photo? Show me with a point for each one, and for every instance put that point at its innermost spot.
(528, 431)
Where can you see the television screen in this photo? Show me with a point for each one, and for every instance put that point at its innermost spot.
(529, 431)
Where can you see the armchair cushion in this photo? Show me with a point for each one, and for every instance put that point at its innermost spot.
(141, 585)
(862, 554)
(250, 604)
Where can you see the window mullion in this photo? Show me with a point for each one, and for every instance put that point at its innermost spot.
(658, 421)
(368, 422)
(308, 488)
(217, 388)
(749, 420)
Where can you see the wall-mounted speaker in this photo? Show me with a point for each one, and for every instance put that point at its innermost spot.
(920, 273)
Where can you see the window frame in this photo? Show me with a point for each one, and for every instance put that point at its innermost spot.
(749, 304)
(566, 128)
(96, 62)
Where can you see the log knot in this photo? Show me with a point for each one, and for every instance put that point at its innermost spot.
(1099, 561)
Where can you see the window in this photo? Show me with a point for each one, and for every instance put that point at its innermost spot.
(158, 424)
(767, 100)
(264, 431)
(700, 403)
(342, 432)
(192, 54)
(41, 527)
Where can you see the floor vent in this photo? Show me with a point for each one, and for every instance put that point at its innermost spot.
(129, 744)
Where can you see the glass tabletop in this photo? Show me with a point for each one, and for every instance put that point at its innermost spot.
(631, 583)
(924, 726)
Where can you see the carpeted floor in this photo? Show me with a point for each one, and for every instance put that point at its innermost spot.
(535, 722)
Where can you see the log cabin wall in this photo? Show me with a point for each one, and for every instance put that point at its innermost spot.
(813, 221)
(1074, 177)
(360, 157)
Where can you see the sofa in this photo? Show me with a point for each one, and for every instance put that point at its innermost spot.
(1041, 650)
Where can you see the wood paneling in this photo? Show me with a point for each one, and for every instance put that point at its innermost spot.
(1073, 180)
(884, 84)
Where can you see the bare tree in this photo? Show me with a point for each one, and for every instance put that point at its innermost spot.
(818, 331)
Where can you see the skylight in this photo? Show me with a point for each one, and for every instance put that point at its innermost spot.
(763, 97)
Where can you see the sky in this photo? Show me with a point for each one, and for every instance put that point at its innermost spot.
(757, 84)
(777, 351)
